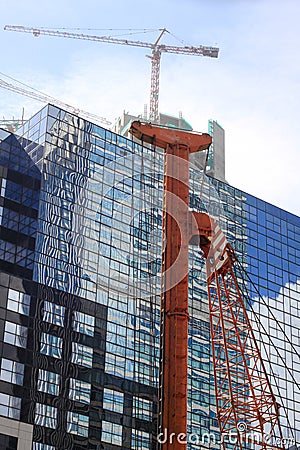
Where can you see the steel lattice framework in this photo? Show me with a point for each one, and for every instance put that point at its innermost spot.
(246, 406)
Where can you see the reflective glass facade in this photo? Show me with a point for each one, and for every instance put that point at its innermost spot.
(80, 220)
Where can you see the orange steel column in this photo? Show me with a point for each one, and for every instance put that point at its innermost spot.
(177, 228)
(174, 308)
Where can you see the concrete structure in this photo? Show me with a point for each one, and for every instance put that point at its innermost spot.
(216, 159)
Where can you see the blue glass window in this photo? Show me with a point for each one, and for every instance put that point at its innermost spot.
(12, 371)
(82, 355)
(54, 313)
(45, 416)
(111, 433)
(77, 424)
(51, 345)
(18, 301)
(80, 391)
(113, 400)
(84, 323)
(48, 382)
(140, 440)
(142, 408)
(15, 334)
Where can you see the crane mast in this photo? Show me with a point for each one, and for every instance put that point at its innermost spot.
(157, 50)
(243, 392)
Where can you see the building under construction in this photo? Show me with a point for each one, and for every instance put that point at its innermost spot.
(81, 268)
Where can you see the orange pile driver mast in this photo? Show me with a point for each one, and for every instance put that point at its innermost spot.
(243, 392)
(174, 302)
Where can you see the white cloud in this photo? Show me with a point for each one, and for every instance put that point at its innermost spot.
(278, 326)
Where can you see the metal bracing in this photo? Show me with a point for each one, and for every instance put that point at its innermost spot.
(154, 90)
(246, 406)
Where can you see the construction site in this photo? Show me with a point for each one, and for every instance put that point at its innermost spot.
(146, 303)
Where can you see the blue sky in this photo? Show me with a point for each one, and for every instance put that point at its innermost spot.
(252, 90)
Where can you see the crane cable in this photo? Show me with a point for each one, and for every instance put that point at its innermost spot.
(259, 324)
(27, 85)
(269, 310)
(133, 30)
(204, 173)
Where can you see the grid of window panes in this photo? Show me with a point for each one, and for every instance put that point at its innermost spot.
(48, 382)
(80, 391)
(12, 371)
(19, 192)
(96, 187)
(40, 446)
(113, 400)
(84, 323)
(77, 424)
(142, 408)
(15, 334)
(10, 406)
(111, 433)
(226, 206)
(18, 301)
(54, 313)
(45, 416)
(274, 268)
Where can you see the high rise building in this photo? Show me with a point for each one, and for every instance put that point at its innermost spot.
(213, 162)
(80, 252)
(123, 122)
(216, 155)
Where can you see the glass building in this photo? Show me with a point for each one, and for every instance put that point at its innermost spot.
(80, 250)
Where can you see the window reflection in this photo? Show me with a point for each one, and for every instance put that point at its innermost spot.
(54, 313)
(51, 345)
(111, 433)
(10, 406)
(113, 400)
(12, 371)
(82, 355)
(40, 446)
(80, 391)
(142, 408)
(77, 424)
(140, 440)
(48, 382)
(18, 301)
(15, 334)
(45, 416)
(84, 323)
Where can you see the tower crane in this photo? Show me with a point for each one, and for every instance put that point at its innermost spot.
(40, 96)
(156, 47)
(244, 394)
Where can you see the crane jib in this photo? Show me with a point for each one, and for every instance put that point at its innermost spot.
(157, 50)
